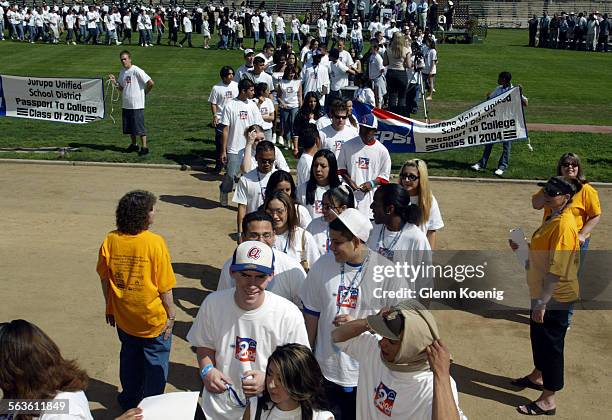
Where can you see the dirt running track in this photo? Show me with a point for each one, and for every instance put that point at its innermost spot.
(55, 217)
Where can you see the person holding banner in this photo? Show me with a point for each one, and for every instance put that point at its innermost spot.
(134, 83)
(504, 80)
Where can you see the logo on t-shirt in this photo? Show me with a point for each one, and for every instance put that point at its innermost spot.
(246, 349)
(384, 398)
(263, 110)
(363, 163)
(254, 253)
(318, 206)
(127, 80)
(289, 89)
(244, 115)
(229, 94)
(347, 298)
(387, 253)
(338, 145)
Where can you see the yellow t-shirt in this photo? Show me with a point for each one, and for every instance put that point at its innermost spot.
(555, 249)
(139, 270)
(585, 205)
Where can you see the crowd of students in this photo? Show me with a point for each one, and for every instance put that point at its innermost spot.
(583, 31)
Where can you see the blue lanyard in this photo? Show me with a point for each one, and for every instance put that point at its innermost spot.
(232, 393)
(352, 287)
(262, 190)
(328, 243)
(381, 240)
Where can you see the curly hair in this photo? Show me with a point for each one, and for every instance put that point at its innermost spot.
(132, 213)
(32, 367)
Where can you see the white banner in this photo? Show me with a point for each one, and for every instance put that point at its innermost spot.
(495, 120)
(68, 100)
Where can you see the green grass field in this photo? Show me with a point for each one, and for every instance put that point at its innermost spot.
(564, 87)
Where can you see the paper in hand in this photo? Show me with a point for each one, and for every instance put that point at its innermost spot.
(174, 405)
(522, 253)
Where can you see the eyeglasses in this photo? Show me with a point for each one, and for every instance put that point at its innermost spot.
(570, 165)
(340, 117)
(255, 236)
(280, 211)
(266, 161)
(327, 207)
(409, 177)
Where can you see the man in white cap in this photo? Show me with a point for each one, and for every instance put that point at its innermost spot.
(249, 55)
(365, 163)
(288, 273)
(351, 280)
(237, 329)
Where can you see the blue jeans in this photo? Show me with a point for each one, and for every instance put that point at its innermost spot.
(255, 37)
(504, 159)
(270, 37)
(143, 368)
(287, 117)
(357, 46)
(20, 31)
(1, 29)
(294, 37)
(232, 172)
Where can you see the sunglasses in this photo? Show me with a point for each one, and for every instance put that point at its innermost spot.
(409, 177)
(340, 117)
(552, 193)
(569, 165)
(266, 161)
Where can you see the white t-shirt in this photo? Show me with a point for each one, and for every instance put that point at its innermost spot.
(326, 293)
(430, 61)
(222, 94)
(187, 25)
(294, 250)
(319, 229)
(303, 214)
(127, 22)
(346, 58)
(435, 221)
(375, 66)
(243, 340)
(365, 95)
(313, 80)
(69, 21)
(383, 393)
(239, 115)
(266, 109)
(251, 189)
(276, 414)
(287, 280)
(91, 20)
(267, 20)
(280, 25)
(322, 25)
(109, 21)
(409, 245)
(295, 26)
(315, 209)
(334, 140)
(338, 75)
(303, 168)
(262, 77)
(133, 81)
(289, 93)
(255, 23)
(364, 163)
(78, 407)
(279, 159)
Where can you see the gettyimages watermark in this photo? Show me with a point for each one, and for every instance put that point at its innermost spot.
(484, 280)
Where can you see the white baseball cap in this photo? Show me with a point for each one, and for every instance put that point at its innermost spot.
(253, 255)
(357, 223)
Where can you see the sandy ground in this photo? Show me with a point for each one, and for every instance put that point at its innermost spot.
(55, 217)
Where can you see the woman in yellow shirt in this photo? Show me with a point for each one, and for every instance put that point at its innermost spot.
(137, 280)
(585, 205)
(552, 277)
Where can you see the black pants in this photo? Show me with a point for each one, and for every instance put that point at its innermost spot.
(397, 83)
(343, 404)
(547, 344)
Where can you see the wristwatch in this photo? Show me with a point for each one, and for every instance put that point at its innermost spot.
(539, 303)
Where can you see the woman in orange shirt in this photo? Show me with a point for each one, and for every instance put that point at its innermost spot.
(552, 277)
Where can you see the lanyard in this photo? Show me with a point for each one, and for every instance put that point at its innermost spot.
(327, 241)
(346, 295)
(232, 393)
(381, 240)
(262, 190)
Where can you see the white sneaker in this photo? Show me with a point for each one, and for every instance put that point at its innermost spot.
(499, 172)
(73, 43)
(274, 138)
(281, 140)
(476, 167)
